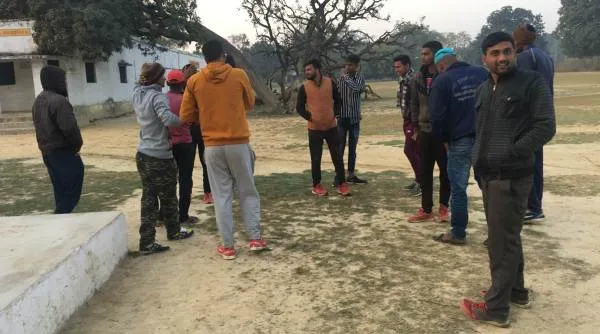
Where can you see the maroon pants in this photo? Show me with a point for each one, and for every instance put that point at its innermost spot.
(411, 149)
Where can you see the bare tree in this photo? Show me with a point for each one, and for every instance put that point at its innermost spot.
(322, 29)
(240, 41)
(263, 93)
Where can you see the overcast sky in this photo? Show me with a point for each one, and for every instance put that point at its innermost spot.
(225, 18)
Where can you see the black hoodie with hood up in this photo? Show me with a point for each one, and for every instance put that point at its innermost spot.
(53, 117)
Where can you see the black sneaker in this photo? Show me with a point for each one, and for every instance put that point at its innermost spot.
(153, 248)
(411, 186)
(531, 217)
(354, 179)
(190, 220)
(182, 234)
(416, 191)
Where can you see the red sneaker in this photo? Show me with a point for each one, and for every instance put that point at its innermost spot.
(208, 198)
(421, 216)
(478, 311)
(523, 302)
(319, 190)
(343, 189)
(257, 245)
(226, 252)
(443, 214)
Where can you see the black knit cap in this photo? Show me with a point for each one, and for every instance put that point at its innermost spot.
(151, 73)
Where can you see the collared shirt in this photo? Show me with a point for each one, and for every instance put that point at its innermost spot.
(351, 87)
(403, 94)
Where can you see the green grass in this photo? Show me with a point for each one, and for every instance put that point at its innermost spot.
(383, 273)
(573, 185)
(26, 189)
(574, 102)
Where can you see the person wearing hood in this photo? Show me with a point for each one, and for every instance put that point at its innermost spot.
(218, 98)
(154, 160)
(184, 149)
(452, 114)
(207, 198)
(530, 57)
(59, 139)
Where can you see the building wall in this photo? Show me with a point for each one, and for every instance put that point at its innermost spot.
(18, 97)
(108, 85)
(16, 45)
(16, 37)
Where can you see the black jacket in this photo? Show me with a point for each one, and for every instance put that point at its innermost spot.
(55, 123)
(514, 119)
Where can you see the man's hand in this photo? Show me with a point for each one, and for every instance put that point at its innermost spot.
(446, 147)
(415, 136)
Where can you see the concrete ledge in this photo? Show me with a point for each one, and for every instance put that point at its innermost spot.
(52, 264)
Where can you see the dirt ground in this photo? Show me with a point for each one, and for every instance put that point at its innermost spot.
(350, 265)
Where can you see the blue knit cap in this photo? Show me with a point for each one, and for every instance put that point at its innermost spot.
(443, 53)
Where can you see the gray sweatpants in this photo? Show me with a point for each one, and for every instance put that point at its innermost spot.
(229, 167)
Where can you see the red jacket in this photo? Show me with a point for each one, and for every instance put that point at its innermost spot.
(180, 135)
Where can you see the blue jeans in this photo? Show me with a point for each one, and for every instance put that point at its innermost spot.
(534, 203)
(352, 132)
(66, 170)
(459, 168)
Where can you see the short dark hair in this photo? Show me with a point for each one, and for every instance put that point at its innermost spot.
(435, 46)
(404, 59)
(496, 38)
(314, 62)
(229, 60)
(353, 59)
(212, 50)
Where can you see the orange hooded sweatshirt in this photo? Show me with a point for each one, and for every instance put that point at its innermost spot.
(218, 97)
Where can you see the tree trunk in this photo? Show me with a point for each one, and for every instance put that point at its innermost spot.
(263, 93)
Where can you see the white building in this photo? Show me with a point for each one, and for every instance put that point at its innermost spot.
(96, 89)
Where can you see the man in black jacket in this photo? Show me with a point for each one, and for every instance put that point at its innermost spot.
(59, 139)
(515, 119)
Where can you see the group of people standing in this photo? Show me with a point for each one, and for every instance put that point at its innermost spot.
(496, 121)
(172, 126)
(455, 114)
(333, 114)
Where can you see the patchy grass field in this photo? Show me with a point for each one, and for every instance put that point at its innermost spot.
(339, 265)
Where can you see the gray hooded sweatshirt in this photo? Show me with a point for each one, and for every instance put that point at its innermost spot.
(154, 116)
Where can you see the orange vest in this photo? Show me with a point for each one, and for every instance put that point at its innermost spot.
(319, 102)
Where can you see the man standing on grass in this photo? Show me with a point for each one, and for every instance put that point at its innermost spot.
(452, 110)
(59, 139)
(207, 198)
(154, 159)
(431, 149)
(351, 86)
(319, 103)
(515, 119)
(402, 67)
(533, 58)
(218, 97)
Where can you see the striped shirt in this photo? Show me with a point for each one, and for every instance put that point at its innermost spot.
(351, 87)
